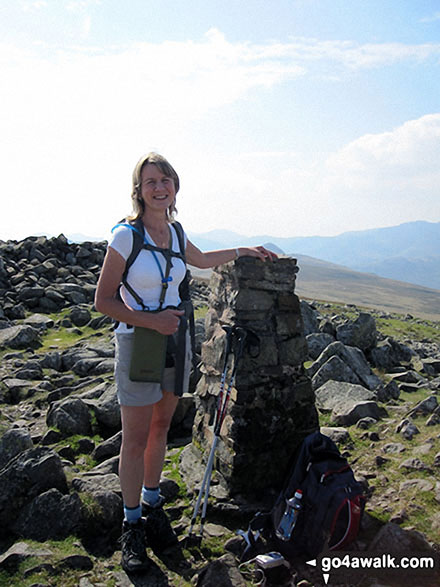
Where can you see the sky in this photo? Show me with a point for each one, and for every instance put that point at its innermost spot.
(282, 117)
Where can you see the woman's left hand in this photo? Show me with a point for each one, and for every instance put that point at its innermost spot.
(259, 252)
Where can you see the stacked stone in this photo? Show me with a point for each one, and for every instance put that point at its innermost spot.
(271, 408)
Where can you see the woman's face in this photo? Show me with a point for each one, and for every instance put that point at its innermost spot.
(157, 190)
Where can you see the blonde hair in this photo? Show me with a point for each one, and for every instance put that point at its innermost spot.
(167, 169)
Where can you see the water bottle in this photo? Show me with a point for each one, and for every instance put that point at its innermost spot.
(288, 520)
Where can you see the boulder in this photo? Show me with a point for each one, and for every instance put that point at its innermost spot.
(12, 443)
(93, 482)
(334, 394)
(71, 416)
(29, 474)
(20, 552)
(310, 318)
(39, 321)
(407, 429)
(336, 433)
(389, 353)
(360, 333)
(425, 407)
(391, 538)
(334, 369)
(80, 316)
(354, 359)
(108, 448)
(19, 337)
(349, 415)
(347, 402)
(106, 408)
(317, 342)
(49, 516)
(221, 573)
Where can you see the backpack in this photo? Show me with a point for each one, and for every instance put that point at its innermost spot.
(331, 507)
(139, 243)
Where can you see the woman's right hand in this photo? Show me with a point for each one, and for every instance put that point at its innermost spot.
(167, 321)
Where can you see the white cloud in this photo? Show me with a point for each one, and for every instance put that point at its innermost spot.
(387, 178)
(433, 18)
(74, 123)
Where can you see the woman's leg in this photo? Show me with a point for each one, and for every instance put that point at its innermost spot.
(135, 429)
(154, 454)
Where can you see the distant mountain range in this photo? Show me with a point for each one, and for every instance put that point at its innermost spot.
(409, 252)
(324, 281)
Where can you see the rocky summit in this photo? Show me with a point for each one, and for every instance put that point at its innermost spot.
(374, 377)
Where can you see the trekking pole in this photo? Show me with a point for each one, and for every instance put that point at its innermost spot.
(241, 337)
(208, 470)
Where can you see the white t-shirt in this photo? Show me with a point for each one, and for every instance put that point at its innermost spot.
(144, 275)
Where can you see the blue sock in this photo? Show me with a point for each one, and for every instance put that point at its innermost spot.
(151, 495)
(132, 515)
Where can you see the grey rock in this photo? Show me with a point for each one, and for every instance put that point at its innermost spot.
(389, 353)
(80, 316)
(106, 408)
(105, 516)
(414, 464)
(17, 389)
(71, 416)
(417, 484)
(51, 360)
(334, 394)
(12, 443)
(425, 407)
(360, 333)
(337, 434)
(183, 417)
(317, 342)
(222, 572)
(108, 448)
(391, 391)
(393, 447)
(19, 552)
(407, 429)
(71, 357)
(93, 366)
(366, 423)
(19, 337)
(391, 538)
(408, 377)
(310, 318)
(39, 321)
(94, 483)
(433, 420)
(49, 516)
(355, 361)
(351, 414)
(110, 465)
(29, 474)
(76, 562)
(334, 369)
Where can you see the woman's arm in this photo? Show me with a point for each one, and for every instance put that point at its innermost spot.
(196, 257)
(106, 302)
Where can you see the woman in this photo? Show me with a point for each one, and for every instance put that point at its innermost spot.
(147, 408)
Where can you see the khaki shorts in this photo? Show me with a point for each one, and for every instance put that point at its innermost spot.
(139, 393)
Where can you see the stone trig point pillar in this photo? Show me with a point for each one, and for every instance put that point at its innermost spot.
(271, 408)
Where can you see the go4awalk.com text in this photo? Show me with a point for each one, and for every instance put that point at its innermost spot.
(342, 565)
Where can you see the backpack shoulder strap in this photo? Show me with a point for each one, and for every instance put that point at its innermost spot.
(138, 243)
(180, 235)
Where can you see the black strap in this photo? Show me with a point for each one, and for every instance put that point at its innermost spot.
(167, 274)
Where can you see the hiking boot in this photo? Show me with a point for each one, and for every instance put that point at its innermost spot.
(158, 530)
(133, 545)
